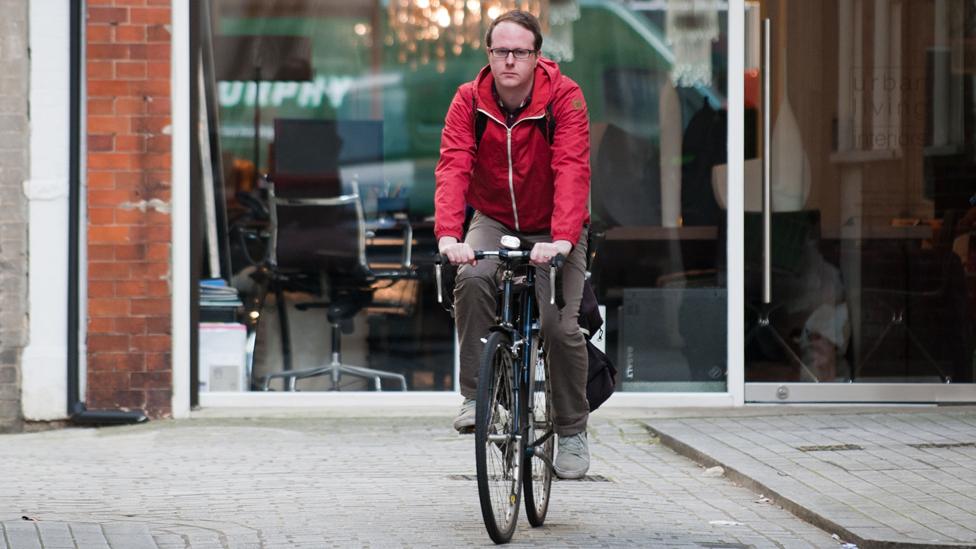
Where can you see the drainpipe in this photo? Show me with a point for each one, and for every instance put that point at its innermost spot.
(77, 411)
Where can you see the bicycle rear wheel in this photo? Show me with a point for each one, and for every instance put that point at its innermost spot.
(498, 449)
(537, 473)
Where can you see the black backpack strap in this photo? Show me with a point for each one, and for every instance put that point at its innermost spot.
(480, 120)
(547, 124)
(550, 124)
(480, 123)
(589, 245)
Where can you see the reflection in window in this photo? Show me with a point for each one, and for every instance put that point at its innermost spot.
(364, 66)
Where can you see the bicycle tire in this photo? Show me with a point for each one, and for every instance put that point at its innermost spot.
(537, 474)
(498, 451)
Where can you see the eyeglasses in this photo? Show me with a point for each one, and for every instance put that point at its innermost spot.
(502, 53)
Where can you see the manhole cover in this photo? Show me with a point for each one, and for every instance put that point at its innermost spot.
(830, 448)
(587, 478)
(928, 445)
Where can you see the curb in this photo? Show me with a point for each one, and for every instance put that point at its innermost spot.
(801, 512)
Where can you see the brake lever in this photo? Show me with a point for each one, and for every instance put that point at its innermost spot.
(554, 265)
(438, 259)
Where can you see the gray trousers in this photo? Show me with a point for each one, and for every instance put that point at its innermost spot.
(475, 306)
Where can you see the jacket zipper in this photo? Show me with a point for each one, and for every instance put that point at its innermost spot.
(508, 143)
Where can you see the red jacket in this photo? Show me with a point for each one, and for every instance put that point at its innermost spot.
(530, 187)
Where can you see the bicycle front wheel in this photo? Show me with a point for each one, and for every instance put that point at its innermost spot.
(536, 471)
(498, 446)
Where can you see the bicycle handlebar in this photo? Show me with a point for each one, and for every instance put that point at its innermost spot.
(555, 280)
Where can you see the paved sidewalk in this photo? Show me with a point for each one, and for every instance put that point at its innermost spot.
(903, 478)
(355, 482)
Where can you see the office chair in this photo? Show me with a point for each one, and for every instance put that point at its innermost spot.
(329, 234)
(928, 280)
(315, 227)
(792, 233)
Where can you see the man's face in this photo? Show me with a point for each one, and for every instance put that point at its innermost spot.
(509, 72)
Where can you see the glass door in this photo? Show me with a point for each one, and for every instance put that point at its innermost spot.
(655, 75)
(860, 265)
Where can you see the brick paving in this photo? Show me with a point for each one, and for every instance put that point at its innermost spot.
(898, 478)
(348, 482)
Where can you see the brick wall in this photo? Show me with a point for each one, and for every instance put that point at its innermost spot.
(14, 139)
(129, 223)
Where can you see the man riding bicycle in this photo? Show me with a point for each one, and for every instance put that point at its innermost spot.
(516, 148)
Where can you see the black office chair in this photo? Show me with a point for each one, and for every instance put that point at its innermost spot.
(329, 235)
(792, 233)
(923, 297)
(316, 227)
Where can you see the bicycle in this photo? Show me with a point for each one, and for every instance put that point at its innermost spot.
(514, 435)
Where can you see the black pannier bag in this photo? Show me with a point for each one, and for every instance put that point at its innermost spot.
(601, 375)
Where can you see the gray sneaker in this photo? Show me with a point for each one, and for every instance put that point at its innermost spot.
(572, 457)
(465, 417)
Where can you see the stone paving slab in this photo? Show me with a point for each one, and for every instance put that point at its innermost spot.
(17, 534)
(366, 482)
(894, 479)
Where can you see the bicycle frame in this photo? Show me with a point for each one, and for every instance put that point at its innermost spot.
(521, 335)
(528, 326)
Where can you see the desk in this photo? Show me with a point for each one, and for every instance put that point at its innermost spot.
(703, 232)
(883, 232)
(420, 344)
(636, 256)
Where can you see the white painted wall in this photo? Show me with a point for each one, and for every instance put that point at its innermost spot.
(45, 359)
(180, 264)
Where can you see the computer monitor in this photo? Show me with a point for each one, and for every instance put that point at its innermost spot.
(316, 148)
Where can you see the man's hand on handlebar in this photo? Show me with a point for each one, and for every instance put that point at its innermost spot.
(458, 253)
(543, 252)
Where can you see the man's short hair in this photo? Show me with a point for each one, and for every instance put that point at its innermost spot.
(521, 18)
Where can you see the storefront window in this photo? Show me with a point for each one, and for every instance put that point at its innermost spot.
(352, 96)
(872, 148)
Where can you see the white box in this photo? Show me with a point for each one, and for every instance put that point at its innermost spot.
(223, 357)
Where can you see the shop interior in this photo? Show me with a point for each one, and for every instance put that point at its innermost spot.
(319, 126)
